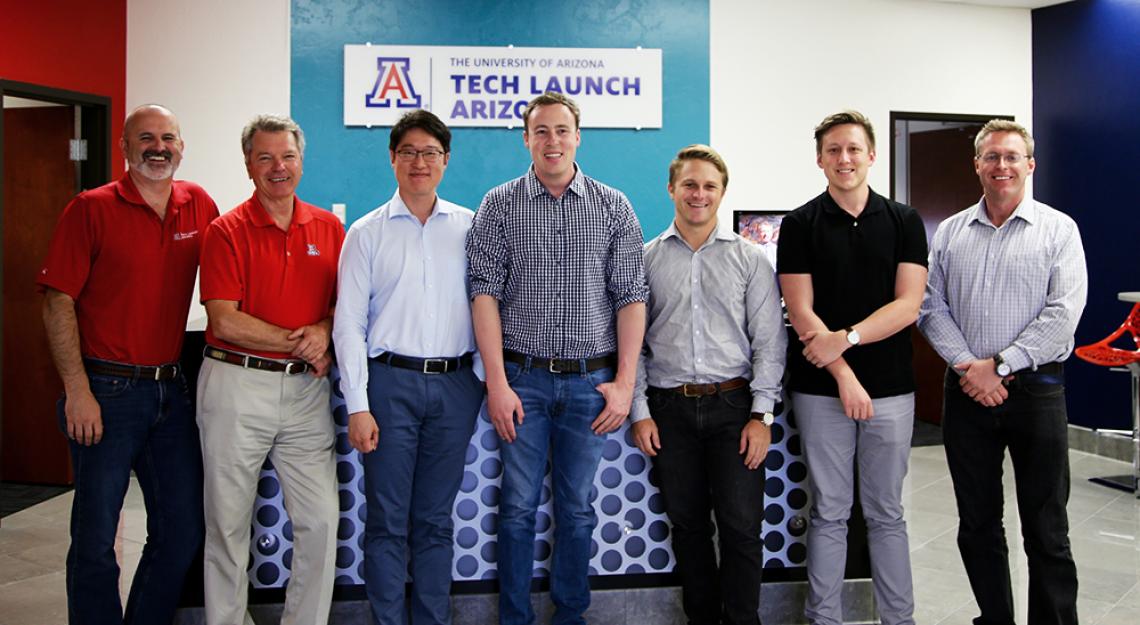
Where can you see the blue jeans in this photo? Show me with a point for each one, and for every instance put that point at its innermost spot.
(1033, 425)
(148, 426)
(410, 483)
(559, 409)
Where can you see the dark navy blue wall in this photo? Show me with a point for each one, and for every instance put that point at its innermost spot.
(1086, 120)
(351, 164)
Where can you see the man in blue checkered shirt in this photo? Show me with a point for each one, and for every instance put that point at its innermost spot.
(558, 303)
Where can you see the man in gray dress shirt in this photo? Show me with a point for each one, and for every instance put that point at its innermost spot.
(1007, 287)
(706, 388)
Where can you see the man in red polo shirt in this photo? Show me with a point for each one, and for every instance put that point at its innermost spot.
(269, 287)
(117, 284)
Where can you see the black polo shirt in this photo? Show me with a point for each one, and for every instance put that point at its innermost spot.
(852, 262)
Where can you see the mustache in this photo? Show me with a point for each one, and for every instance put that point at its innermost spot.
(167, 154)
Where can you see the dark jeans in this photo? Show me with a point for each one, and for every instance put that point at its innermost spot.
(410, 483)
(148, 426)
(1032, 424)
(700, 471)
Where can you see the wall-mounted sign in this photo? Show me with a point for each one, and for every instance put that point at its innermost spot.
(489, 86)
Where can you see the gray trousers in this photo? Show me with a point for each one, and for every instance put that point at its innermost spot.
(833, 444)
(244, 416)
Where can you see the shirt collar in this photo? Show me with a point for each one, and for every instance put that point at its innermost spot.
(127, 190)
(1026, 210)
(720, 233)
(398, 208)
(534, 186)
(261, 217)
(875, 203)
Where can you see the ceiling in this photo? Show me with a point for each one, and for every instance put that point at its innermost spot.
(1018, 4)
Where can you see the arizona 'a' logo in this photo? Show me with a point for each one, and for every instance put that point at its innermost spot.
(392, 85)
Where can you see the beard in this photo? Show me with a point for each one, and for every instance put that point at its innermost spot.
(156, 170)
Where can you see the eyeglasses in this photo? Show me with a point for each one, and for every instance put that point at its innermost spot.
(430, 155)
(993, 158)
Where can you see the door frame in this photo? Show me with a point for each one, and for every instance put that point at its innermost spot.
(913, 116)
(95, 128)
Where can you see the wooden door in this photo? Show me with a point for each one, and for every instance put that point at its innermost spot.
(942, 182)
(39, 180)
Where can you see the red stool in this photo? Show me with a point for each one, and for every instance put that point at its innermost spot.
(1104, 354)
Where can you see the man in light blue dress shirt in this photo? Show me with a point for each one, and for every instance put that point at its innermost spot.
(409, 373)
(1008, 283)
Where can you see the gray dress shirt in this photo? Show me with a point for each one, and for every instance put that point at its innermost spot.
(714, 314)
(1018, 290)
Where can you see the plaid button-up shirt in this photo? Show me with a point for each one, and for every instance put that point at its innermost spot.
(560, 268)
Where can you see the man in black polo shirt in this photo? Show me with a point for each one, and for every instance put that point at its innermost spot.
(852, 268)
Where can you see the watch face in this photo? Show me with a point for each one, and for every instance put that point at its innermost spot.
(1003, 369)
(769, 418)
(853, 337)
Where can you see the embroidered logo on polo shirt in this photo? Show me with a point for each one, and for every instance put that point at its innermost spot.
(182, 236)
(313, 251)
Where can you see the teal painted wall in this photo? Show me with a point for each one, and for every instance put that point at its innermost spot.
(350, 165)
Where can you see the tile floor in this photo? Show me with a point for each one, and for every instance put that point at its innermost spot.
(1105, 535)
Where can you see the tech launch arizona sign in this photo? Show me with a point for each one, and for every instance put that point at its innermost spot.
(489, 86)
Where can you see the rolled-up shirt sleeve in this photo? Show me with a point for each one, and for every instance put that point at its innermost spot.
(626, 267)
(487, 251)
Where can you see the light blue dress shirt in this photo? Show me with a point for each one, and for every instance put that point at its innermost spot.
(1018, 290)
(402, 289)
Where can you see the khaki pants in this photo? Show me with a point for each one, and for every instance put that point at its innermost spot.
(246, 415)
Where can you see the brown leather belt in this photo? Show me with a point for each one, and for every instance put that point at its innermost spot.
(158, 374)
(562, 365)
(288, 367)
(704, 390)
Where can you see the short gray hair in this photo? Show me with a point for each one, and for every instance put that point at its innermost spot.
(271, 123)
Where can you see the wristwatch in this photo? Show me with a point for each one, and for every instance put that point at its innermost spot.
(852, 336)
(1001, 366)
(766, 418)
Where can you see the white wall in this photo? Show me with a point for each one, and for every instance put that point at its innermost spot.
(779, 67)
(216, 64)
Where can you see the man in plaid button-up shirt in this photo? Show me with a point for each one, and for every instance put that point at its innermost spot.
(558, 303)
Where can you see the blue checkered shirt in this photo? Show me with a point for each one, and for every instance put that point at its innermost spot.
(1018, 290)
(560, 268)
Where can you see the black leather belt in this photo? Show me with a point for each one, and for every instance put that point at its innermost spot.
(704, 390)
(426, 365)
(562, 365)
(159, 373)
(1048, 374)
(288, 367)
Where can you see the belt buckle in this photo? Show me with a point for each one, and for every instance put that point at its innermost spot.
(289, 367)
(695, 393)
(158, 373)
(552, 366)
(430, 361)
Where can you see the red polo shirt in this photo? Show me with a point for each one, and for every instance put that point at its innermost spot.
(286, 278)
(130, 273)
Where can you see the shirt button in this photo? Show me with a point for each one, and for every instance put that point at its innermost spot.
(288, 253)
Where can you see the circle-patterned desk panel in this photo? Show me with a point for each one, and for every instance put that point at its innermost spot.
(632, 535)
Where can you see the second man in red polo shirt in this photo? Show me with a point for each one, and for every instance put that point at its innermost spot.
(269, 287)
